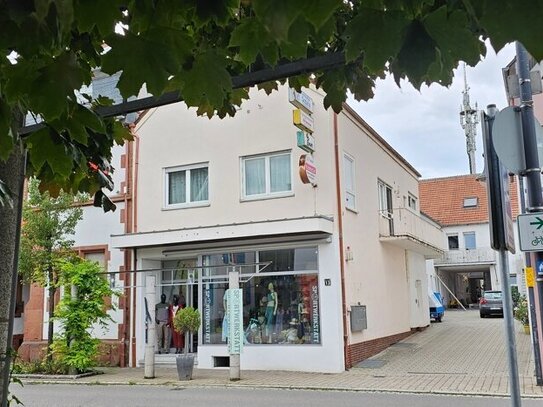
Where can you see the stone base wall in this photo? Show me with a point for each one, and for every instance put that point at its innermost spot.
(109, 352)
(364, 350)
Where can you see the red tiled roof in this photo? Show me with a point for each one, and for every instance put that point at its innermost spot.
(443, 199)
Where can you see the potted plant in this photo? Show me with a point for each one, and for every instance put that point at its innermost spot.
(187, 321)
(521, 313)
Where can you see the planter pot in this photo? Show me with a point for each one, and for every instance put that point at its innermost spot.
(185, 365)
(527, 329)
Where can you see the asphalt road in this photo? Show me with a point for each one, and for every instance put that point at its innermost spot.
(165, 396)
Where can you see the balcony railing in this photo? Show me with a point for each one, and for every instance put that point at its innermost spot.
(406, 224)
(467, 256)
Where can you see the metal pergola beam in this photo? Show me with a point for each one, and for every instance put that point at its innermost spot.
(306, 65)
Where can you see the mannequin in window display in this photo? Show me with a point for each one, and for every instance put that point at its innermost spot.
(162, 325)
(271, 311)
(178, 340)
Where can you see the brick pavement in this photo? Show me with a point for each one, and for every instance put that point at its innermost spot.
(462, 355)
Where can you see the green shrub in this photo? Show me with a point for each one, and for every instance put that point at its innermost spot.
(186, 320)
(521, 311)
(75, 345)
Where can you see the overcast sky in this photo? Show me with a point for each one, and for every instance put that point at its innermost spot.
(424, 126)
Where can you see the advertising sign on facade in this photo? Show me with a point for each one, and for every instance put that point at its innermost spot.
(308, 170)
(302, 120)
(305, 141)
(235, 320)
(300, 100)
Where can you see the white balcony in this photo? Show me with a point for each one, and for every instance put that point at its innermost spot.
(480, 255)
(411, 231)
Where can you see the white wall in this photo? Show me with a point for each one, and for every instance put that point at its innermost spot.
(377, 276)
(418, 290)
(174, 136)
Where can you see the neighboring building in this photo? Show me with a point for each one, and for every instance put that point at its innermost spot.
(197, 197)
(460, 205)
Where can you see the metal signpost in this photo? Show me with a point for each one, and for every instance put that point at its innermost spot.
(502, 239)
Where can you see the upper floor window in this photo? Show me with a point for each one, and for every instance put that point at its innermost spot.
(469, 240)
(470, 202)
(385, 198)
(186, 186)
(266, 175)
(453, 242)
(412, 201)
(348, 170)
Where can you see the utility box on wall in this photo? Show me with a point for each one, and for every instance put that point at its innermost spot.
(359, 320)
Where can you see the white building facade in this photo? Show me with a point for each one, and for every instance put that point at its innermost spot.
(332, 271)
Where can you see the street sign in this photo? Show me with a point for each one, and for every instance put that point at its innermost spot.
(301, 100)
(508, 140)
(303, 121)
(502, 236)
(530, 230)
(305, 141)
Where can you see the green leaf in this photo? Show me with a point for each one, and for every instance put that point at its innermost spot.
(219, 11)
(277, 16)
(208, 82)
(318, 12)
(150, 58)
(297, 82)
(250, 37)
(103, 14)
(55, 84)
(362, 31)
(509, 21)
(271, 54)
(44, 149)
(296, 45)
(417, 54)
(333, 83)
(453, 39)
(268, 87)
(121, 133)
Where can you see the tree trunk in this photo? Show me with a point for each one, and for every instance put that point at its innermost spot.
(50, 323)
(12, 173)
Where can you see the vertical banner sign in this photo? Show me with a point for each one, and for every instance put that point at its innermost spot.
(315, 334)
(207, 314)
(235, 320)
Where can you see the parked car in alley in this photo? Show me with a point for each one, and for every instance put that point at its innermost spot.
(491, 304)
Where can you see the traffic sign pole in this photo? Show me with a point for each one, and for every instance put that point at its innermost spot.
(500, 221)
(532, 172)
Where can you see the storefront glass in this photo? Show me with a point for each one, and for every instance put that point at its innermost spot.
(280, 303)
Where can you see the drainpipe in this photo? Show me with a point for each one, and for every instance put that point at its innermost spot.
(346, 349)
(133, 283)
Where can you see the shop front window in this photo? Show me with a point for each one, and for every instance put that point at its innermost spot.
(281, 303)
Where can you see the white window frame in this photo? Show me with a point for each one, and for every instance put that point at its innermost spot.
(384, 210)
(470, 233)
(412, 199)
(188, 203)
(267, 194)
(350, 192)
(457, 239)
(471, 202)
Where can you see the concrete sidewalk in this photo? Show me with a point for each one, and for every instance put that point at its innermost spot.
(463, 355)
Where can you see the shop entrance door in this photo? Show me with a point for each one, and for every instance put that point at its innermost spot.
(180, 280)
